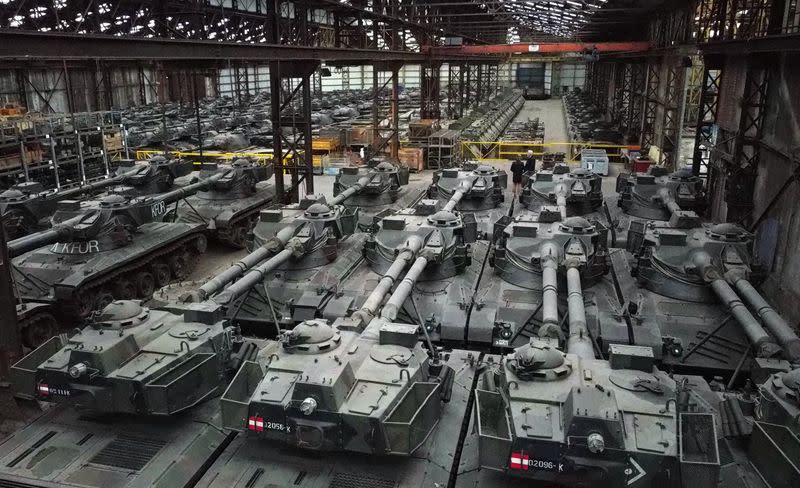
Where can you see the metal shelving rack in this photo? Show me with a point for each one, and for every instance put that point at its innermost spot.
(60, 150)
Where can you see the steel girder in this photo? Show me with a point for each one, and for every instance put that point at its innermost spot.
(429, 97)
(290, 99)
(648, 132)
(385, 107)
(705, 134)
(672, 113)
(741, 173)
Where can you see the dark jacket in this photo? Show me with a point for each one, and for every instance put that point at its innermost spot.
(517, 168)
(530, 165)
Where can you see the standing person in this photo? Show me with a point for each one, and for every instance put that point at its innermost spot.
(517, 168)
(530, 163)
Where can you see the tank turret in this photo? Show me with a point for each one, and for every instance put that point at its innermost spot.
(534, 259)
(27, 207)
(575, 192)
(472, 187)
(324, 252)
(229, 206)
(656, 195)
(709, 272)
(372, 188)
(435, 246)
(134, 360)
(571, 419)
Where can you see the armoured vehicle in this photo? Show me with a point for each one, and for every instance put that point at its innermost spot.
(441, 247)
(532, 255)
(229, 205)
(692, 299)
(473, 188)
(577, 192)
(327, 249)
(571, 419)
(657, 195)
(97, 251)
(374, 188)
(329, 388)
(133, 360)
(27, 207)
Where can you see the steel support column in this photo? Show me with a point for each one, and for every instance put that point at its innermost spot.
(650, 111)
(705, 134)
(672, 114)
(290, 98)
(741, 174)
(638, 75)
(430, 91)
(455, 91)
(385, 109)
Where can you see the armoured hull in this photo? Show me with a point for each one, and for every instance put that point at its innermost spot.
(254, 460)
(74, 278)
(67, 448)
(511, 290)
(228, 217)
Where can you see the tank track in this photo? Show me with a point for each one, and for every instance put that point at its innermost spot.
(232, 235)
(85, 298)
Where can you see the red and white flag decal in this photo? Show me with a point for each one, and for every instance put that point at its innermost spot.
(44, 390)
(255, 423)
(519, 461)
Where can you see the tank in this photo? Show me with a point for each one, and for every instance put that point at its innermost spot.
(676, 198)
(328, 247)
(577, 192)
(691, 297)
(474, 188)
(442, 249)
(229, 206)
(27, 207)
(542, 415)
(133, 360)
(374, 188)
(117, 247)
(531, 258)
(330, 388)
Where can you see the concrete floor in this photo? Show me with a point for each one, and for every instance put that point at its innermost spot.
(551, 112)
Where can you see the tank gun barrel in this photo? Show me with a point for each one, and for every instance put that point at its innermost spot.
(357, 187)
(668, 201)
(190, 189)
(403, 290)
(579, 342)
(49, 236)
(765, 347)
(463, 188)
(782, 331)
(270, 247)
(549, 253)
(373, 301)
(253, 277)
(94, 185)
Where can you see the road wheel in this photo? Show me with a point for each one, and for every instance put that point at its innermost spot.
(124, 289)
(145, 284)
(161, 274)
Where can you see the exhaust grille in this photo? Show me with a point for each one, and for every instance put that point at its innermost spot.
(360, 480)
(128, 452)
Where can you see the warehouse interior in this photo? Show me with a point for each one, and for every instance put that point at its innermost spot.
(399, 243)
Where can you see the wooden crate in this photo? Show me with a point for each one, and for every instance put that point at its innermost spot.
(324, 144)
(413, 157)
(113, 142)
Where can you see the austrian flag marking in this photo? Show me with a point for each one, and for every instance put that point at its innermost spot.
(255, 423)
(519, 461)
